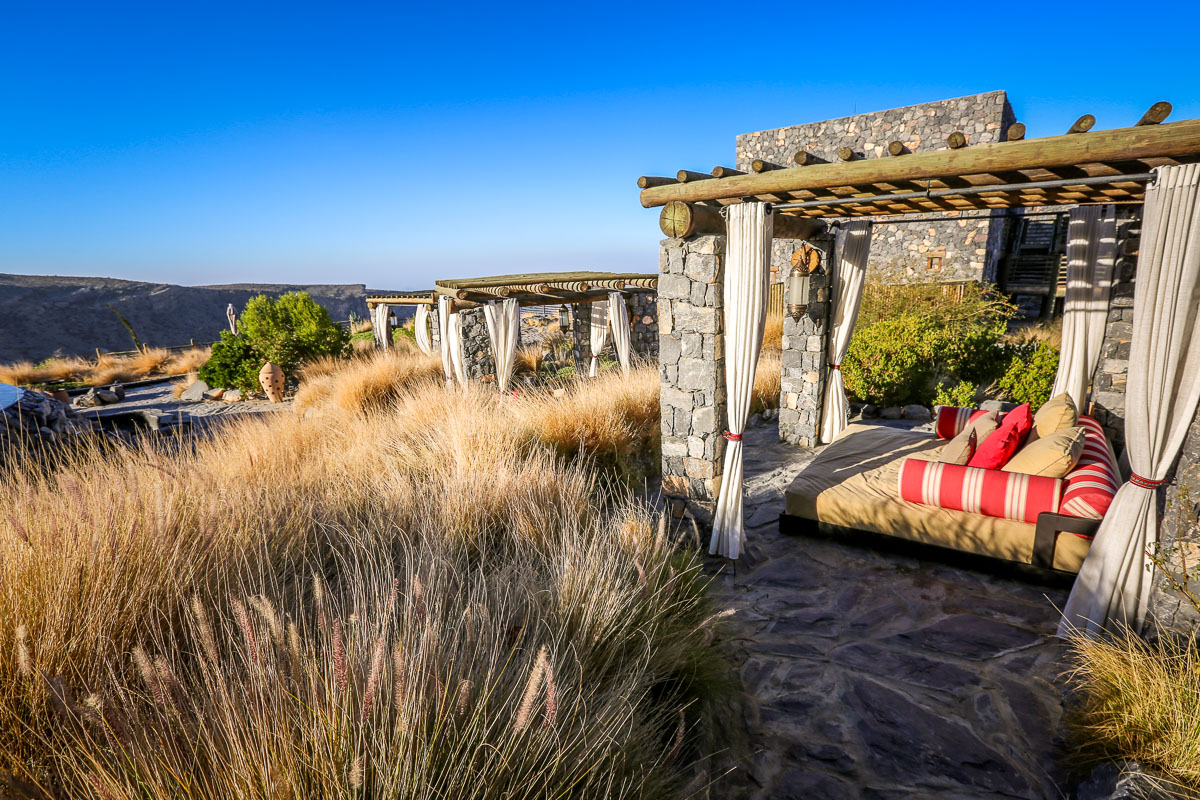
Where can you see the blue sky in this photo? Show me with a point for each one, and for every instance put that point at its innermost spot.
(392, 145)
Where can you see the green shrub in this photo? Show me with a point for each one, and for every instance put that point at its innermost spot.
(1030, 374)
(233, 364)
(288, 331)
(960, 395)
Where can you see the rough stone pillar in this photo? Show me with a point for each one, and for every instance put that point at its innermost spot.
(802, 385)
(581, 327)
(691, 345)
(435, 330)
(1108, 384)
(477, 347)
(643, 320)
(1179, 538)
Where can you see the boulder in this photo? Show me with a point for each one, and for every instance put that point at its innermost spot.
(214, 394)
(231, 395)
(997, 405)
(37, 415)
(891, 412)
(118, 389)
(195, 392)
(919, 413)
(870, 411)
(106, 397)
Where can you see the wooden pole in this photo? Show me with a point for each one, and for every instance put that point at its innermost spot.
(758, 165)
(1169, 140)
(725, 172)
(1155, 114)
(956, 140)
(649, 181)
(1016, 132)
(803, 158)
(685, 175)
(1083, 124)
(681, 220)
(896, 148)
(846, 153)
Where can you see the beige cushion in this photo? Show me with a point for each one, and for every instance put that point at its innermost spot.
(1059, 413)
(1053, 455)
(960, 449)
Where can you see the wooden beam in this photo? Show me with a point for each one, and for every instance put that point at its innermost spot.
(1155, 113)
(846, 153)
(725, 172)
(685, 175)
(803, 158)
(758, 165)
(1015, 132)
(896, 148)
(648, 181)
(532, 277)
(956, 140)
(681, 220)
(1083, 124)
(1169, 140)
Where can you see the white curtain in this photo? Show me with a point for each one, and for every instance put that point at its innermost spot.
(231, 315)
(618, 316)
(444, 315)
(597, 333)
(1091, 252)
(454, 335)
(1163, 391)
(504, 329)
(745, 288)
(851, 275)
(382, 326)
(421, 329)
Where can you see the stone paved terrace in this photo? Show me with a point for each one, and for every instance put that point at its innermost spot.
(879, 675)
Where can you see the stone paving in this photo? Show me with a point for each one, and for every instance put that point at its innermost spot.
(879, 675)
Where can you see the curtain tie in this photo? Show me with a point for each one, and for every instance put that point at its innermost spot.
(835, 366)
(732, 437)
(1145, 483)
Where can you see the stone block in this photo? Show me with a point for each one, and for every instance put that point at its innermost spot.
(665, 318)
(682, 421)
(673, 446)
(698, 468)
(670, 397)
(704, 419)
(692, 345)
(695, 373)
(674, 287)
(701, 267)
(690, 318)
(669, 350)
(676, 485)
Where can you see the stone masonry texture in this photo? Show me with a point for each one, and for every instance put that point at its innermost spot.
(691, 346)
(957, 249)
(643, 330)
(802, 383)
(1108, 383)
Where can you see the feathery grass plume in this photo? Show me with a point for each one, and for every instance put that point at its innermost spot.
(418, 597)
(551, 711)
(203, 626)
(394, 597)
(532, 686)
(399, 677)
(677, 743)
(166, 677)
(643, 581)
(20, 529)
(149, 676)
(242, 618)
(464, 695)
(24, 656)
(356, 773)
(339, 654)
(373, 677)
(266, 609)
(319, 600)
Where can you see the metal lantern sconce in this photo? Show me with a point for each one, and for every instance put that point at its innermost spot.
(564, 318)
(806, 262)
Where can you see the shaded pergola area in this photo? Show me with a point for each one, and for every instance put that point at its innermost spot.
(1081, 166)
(544, 288)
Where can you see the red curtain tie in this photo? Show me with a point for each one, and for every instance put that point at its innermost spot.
(835, 366)
(733, 437)
(1145, 483)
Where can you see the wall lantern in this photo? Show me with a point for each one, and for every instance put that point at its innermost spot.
(564, 318)
(805, 262)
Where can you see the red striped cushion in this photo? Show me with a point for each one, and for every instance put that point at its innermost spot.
(1093, 483)
(1008, 495)
(951, 420)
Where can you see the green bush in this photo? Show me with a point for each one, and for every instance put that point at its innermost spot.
(288, 331)
(234, 364)
(960, 395)
(912, 339)
(1030, 374)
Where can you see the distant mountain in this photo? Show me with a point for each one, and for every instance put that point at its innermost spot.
(43, 315)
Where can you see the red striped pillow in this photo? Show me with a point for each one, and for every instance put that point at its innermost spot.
(993, 493)
(1093, 483)
(951, 421)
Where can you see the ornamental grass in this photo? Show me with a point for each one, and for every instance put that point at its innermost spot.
(105, 368)
(433, 593)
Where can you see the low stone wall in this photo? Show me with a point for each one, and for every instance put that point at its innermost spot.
(643, 321)
(691, 345)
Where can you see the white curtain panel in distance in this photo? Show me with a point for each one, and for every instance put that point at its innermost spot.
(1091, 253)
(444, 304)
(745, 287)
(851, 276)
(504, 328)
(597, 333)
(1163, 389)
(421, 329)
(618, 318)
(381, 325)
(454, 334)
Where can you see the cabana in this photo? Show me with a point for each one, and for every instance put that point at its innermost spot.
(721, 226)
(380, 304)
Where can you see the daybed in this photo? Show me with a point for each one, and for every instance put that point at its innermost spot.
(860, 482)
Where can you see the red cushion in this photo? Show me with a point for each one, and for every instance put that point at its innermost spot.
(993, 493)
(1093, 483)
(951, 420)
(998, 448)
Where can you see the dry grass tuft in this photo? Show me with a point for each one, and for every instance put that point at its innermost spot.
(364, 385)
(263, 574)
(773, 334)
(106, 368)
(767, 381)
(530, 358)
(1139, 701)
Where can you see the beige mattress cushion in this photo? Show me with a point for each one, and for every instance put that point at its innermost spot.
(853, 483)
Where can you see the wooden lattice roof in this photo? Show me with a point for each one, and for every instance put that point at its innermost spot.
(546, 288)
(414, 298)
(1083, 166)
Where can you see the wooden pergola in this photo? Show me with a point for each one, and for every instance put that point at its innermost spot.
(1079, 167)
(417, 298)
(544, 288)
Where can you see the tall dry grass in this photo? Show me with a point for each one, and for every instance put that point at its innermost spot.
(105, 369)
(436, 597)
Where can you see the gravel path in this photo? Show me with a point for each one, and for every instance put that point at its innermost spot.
(884, 676)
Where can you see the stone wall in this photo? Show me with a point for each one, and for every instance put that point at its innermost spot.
(802, 384)
(477, 347)
(643, 320)
(1108, 383)
(1179, 533)
(691, 346)
(967, 249)
(435, 330)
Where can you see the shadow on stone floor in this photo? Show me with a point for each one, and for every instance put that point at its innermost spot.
(880, 675)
